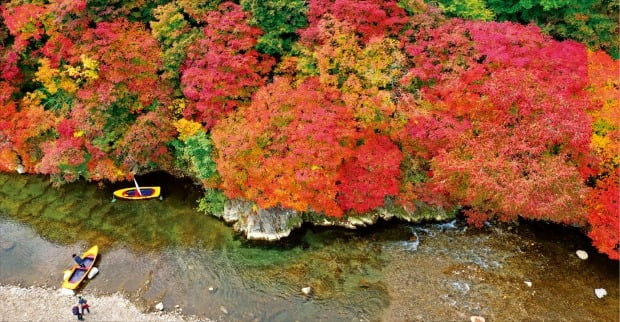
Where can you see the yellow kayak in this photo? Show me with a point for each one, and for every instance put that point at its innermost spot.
(77, 274)
(132, 193)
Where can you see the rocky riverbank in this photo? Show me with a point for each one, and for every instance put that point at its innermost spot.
(40, 304)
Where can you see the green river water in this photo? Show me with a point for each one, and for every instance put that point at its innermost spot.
(163, 250)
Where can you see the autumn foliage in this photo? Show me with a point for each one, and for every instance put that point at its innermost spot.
(222, 70)
(286, 148)
(370, 174)
(325, 106)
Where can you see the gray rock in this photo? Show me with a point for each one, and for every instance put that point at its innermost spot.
(233, 209)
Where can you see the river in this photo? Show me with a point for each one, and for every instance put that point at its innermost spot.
(165, 251)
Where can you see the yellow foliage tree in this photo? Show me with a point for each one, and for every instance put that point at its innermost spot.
(186, 128)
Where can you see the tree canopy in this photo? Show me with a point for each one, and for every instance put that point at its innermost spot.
(501, 109)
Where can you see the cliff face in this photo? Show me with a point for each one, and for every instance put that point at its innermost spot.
(276, 223)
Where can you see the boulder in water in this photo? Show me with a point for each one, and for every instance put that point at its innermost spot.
(306, 290)
(260, 224)
(600, 292)
(475, 318)
(582, 254)
(159, 306)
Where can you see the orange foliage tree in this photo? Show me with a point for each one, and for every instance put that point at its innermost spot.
(602, 202)
(300, 148)
(8, 156)
(286, 147)
(27, 128)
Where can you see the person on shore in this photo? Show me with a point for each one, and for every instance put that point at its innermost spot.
(83, 304)
(78, 260)
(76, 312)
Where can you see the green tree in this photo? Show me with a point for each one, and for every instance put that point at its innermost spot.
(198, 9)
(174, 34)
(196, 151)
(467, 9)
(280, 20)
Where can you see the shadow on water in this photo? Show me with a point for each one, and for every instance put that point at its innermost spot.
(166, 251)
(79, 212)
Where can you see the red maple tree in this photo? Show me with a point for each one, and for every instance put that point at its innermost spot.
(286, 147)
(371, 174)
(222, 70)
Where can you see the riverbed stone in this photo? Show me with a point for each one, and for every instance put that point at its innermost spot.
(159, 306)
(6, 245)
(582, 254)
(475, 318)
(600, 292)
(306, 290)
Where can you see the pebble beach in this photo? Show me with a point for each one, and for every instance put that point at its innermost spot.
(40, 304)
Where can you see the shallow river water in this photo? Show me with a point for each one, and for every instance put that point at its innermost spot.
(163, 250)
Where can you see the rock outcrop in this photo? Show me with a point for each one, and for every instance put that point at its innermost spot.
(276, 223)
(260, 224)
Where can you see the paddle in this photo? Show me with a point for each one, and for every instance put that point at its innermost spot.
(137, 187)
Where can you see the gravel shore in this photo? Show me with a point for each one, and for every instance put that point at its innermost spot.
(39, 304)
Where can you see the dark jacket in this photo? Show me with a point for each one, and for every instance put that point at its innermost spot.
(76, 310)
(78, 260)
